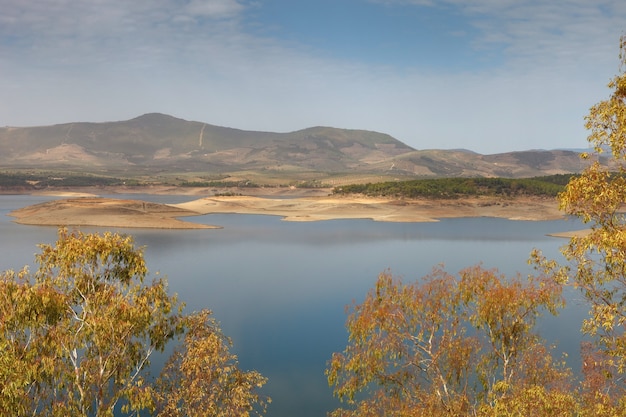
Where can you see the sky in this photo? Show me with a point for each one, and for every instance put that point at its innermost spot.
(485, 75)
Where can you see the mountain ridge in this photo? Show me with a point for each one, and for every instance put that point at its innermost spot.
(156, 144)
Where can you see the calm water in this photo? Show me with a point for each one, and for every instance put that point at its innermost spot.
(279, 288)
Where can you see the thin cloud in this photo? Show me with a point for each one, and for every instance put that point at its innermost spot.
(536, 32)
(70, 60)
(55, 28)
(214, 9)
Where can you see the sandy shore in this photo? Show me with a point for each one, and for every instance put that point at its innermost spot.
(105, 212)
(92, 211)
(378, 209)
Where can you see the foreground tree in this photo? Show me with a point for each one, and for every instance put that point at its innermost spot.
(202, 378)
(598, 259)
(451, 346)
(420, 349)
(76, 336)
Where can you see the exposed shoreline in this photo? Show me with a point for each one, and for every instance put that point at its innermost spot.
(83, 208)
(105, 212)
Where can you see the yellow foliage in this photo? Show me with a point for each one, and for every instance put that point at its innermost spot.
(447, 346)
(598, 260)
(77, 335)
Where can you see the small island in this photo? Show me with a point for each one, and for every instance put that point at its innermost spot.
(105, 212)
(124, 213)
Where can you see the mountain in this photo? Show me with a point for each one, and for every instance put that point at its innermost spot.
(459, 163)
(160, 145)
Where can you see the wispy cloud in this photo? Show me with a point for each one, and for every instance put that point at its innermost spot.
(68, 32)
(535, 32)
(212, 60)
(214, 9)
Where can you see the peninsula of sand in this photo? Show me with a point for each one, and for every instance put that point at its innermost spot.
(89, 210)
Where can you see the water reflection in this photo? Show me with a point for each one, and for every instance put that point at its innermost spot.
(279, 288)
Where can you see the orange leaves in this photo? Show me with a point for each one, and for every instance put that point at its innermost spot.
(425, 345)
(421, 348)
(506, 310)
(502, 301)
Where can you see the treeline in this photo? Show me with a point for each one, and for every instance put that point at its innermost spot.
(546, 186)
(220, 184)
(43, 180)
(251, 184)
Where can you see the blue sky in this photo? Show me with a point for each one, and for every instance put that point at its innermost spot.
(486, 75)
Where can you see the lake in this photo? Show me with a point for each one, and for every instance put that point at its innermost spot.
(279, 289)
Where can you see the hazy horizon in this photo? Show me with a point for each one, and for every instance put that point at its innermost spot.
(487, 75)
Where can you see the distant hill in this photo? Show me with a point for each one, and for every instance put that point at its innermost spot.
(157, 145)
(455, 163)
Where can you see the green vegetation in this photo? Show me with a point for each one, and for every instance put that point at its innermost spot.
(310, 184)
(220, 184)
(54, 179)
(546, 186)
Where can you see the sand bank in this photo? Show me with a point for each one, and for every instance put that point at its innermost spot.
(107, 212)
(378, 209)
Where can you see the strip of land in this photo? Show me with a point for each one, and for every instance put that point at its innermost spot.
(123, 213)
(378, 209)
(106, 212)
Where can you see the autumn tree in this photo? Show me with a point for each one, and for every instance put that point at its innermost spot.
(597, 259)
(202, 377)
(451, 346)
(77, 335)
